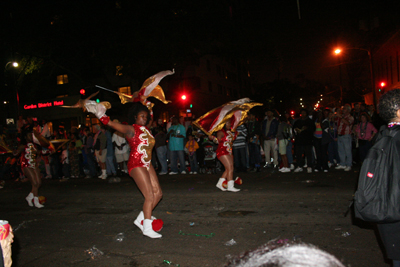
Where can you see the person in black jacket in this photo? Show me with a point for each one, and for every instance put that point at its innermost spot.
(389, 110)
(304, 130)
(254, 131)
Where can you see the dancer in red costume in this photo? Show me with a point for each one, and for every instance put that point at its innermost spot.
(225, 138)
(141, 142)
(32, 144)
(224, 120)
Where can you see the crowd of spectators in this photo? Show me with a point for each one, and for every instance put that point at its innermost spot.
(314, 140)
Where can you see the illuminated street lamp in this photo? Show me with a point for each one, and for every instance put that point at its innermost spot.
(15, 65)
(371, 68)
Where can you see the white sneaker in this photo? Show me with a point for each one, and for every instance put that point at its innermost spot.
(194, 172)
(340, 167)
(309, 170)
(285, 170)
(291, 166)
(298, 169)
(172, 173)
(329, 164)
(315, 170)
(325, 170)
(190, 172)
(183, 172)
(305, 166)
(347, 169)
(162, 173)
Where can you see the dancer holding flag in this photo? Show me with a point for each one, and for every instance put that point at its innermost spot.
(32, 143)
(141, 142)
(224, 120)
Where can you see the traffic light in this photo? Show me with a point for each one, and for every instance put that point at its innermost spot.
(191, 106)
(82, 91)
(381, 90)
(97, 100)
(183, 97)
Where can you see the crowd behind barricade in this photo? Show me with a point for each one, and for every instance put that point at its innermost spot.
(313, 140)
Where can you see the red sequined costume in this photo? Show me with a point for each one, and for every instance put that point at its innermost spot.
(141, 145)
(225, 144)
(28, 156)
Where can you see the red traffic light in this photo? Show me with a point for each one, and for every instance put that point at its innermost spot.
(82, 91)
(292, 112)
(183, 97)
(383, 84)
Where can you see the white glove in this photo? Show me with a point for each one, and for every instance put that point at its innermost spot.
(96, 108)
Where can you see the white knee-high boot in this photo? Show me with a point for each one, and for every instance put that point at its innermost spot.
(219, 184)
(148, 229)
(29, 199)
(231, 187)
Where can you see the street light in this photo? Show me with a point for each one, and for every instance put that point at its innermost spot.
(371, 68)
(15, 65)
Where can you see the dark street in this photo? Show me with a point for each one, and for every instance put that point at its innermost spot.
(82, 215)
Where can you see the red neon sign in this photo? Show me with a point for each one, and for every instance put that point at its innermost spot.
(44, 105)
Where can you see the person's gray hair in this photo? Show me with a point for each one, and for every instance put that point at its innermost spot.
(286, 255)
(347, 106)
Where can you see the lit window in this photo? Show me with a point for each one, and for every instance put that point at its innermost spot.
(125, 90)
(62, 79)
(118, 70)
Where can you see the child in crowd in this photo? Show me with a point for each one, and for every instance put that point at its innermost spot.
(191, 147)
(65, 163)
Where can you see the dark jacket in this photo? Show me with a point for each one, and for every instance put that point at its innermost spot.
(253, 128)
(273, 129)
(306, 136)
(390, 232)
(326, 138)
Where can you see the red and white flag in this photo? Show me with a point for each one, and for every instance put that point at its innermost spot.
(150, 88)
(236, 111)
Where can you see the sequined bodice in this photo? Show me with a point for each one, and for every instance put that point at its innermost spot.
(225, 144)
(28, 156)
(141, 145)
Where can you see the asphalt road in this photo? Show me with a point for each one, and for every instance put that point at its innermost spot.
(82, 218)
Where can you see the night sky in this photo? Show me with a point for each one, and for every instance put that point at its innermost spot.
(154, 35)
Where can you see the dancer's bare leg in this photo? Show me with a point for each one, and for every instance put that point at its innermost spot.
(227, 161)
(151, 194)
(156, 186)
(34, 177)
